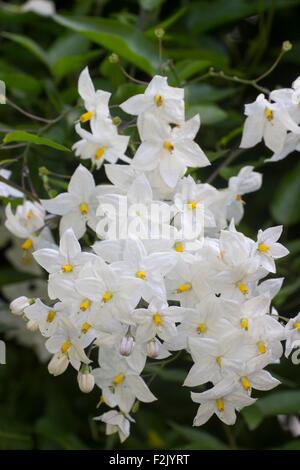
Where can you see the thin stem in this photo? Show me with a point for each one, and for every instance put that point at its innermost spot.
(31, 116)
(162, 366)
(173, 70)
(160, 54)
(16, 186)
(230, 436)
(271, 68)
(118, 63)
(231, 156)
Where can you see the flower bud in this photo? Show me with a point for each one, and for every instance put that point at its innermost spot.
(86, 381)
(159, 33)
(117, 121)
(287, 46)
(113, 58)
(17, 306)
(127, 345)
(58, 364)
(152, 348)
(32, 325)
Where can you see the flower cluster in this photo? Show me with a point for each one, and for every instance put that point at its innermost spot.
(166, 270)
(275, 120)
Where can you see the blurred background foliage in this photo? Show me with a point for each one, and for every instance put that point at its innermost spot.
(40, 61)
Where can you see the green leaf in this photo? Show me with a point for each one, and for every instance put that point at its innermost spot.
(188, 68)
(285, 207)
(11, 276)
(30, 45)
(205, 93)
(209, 113)
(66, 65)
(122, 39)
(198, 439)
(22, 136)
(71, 44)
(21, 81)
(151, 4)
(285, 402)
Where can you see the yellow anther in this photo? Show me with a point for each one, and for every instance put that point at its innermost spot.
(261, 347)
(86, 116)
(157, 319)
(263, 248)
(184, 288)
(107, 296)
(83, 209)
(219, 361)
(297, 325)
(27, 244)
(244, 324)
(158, 100)
(269, 114)
(141, 275)
(85, 305)
(117, 380)
(85, 328)
(66, 268)
(99, 153)
(245, 383)
(192, 205)
(179, 247)
(29, 215)
(169, 146)
(51, 316)
(201, 328)
(102, 399)
(65, 346)
(238, 197)
(220, 404)
(243, 288)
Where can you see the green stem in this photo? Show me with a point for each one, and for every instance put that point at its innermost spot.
(162, 366)
(16, 186)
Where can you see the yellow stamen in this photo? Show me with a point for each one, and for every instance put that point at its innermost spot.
(157, 319)
(238, 197)
(263, 248)
(85, 305)
(297, 325)
(118, 379)
(158, 100)
(243, 288)
(83, 209)
(179, 247)
(269, 114)
(27, 244)
(244, 324)
(169, 146)
(85, 328)
(29, 215)
(220, 404)
(219, 361)
(86, 116)
(107, 296)
(201, 328)
(66, 268)
(261, 347)
(192, 205)
(65, 346)
(51, 316)
(102, 399)
(141, 275)
(99, 153)
(245, 383)
(184, 288)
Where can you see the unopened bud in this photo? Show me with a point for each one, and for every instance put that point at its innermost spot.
(152, 348)
(58, 364)
(18, 305)
(287, 46)
(117, 121)
(127, 345)
(86, 381)
(113, 58)
(32, 325)
(159, 33)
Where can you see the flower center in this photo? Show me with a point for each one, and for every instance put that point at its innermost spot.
(157, 319)
(107, 296)
(184, 288)
(169, 146)
(297, 325)
(65, 346)
(83, 209)
(66, 268)
(244, 324)
(201, 328)
(85, 305)
(243, 288)
(27, 244)
(118, 379)
(263, 248)
(99, 153)
(245, 383)
(86, 116)
(141, 275)
(179, 247)
(261, 347)
(158, 100)
(51, 316)
(29, 215)
(85, 328)
(219, 361)
(269, 114)
(220, 404)
(192, 205)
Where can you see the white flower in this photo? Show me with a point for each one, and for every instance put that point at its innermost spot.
(18, 305)
(116, 421)
(5, 189)
(293, 334)
(58, 364)
(95, 102)
(77, 206)
(267, 249)
(172, 150)
(28, 219)
(159, 99)
(40, 7)
(85, 381)
(103, 143)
